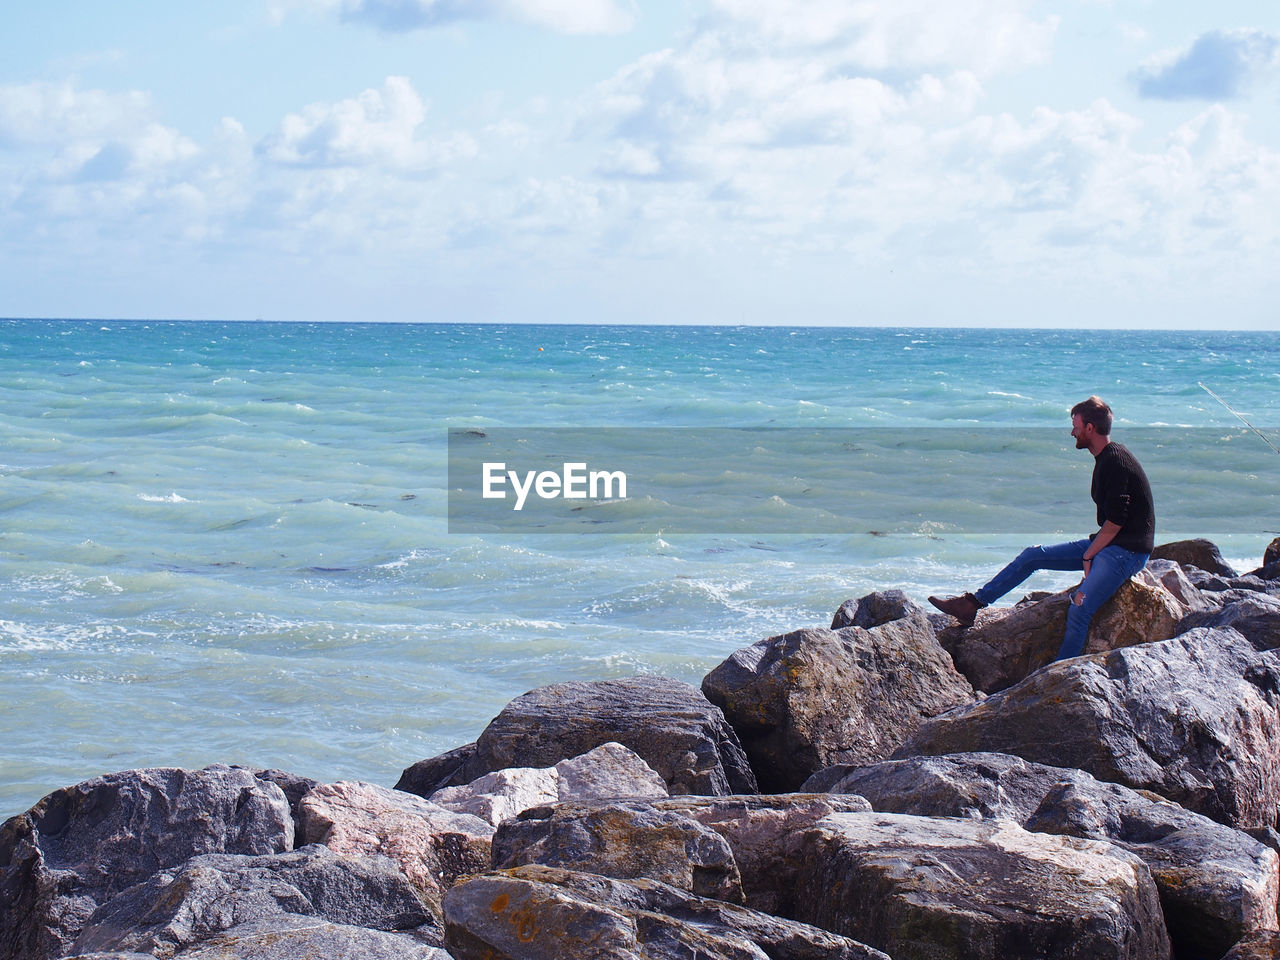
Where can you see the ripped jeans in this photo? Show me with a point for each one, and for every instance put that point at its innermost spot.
(1110, 568)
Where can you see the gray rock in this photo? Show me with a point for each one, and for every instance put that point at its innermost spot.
(875, 609)
(82, 845)
(780, 939)
(610, 770)
(213, 893)
(535, 912)
(1217, 884)
(432, 845)
(1262, 580)
(1264, 946)
(924, 888)
(1193, 718)
(1174, 579)
(762, 832)
(299, 938)
(435, 773)
(1268, 572)
(625, 839)
(1194, 553)
(670, 724)
(1001, 649)
(295, 787)
(1255, 615)
(811, 698)
(1272, 553)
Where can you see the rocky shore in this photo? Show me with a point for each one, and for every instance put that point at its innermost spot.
(892, 786)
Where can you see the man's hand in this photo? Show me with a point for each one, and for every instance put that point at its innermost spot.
(1087, 564)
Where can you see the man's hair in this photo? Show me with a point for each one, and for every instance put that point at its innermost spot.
(1094, 411)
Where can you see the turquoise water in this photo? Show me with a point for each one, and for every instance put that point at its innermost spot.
(228, 542)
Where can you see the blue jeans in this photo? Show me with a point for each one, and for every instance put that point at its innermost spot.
(1110, 568)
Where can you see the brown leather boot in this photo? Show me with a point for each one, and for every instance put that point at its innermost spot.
(964, 608)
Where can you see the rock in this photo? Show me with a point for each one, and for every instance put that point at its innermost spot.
(432, 845)
(1268, 572)
(805, 700)
(668, 723)
(295, 787)
(1262, 580)
(210, 894)
(924, 888)
(1255, 615)
(1272, 553)
(998, 652)
(299, 938)
(625, 839)
(1193, 718)
(762, 832)
(610, 770)
(1264, 946)
(1217, 884)
(541, 913)
(1174, 579)
(435, 773)
(875, 609)
(82, 845)
(1194, 553)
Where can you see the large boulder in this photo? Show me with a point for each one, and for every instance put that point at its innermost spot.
(81, 845)
(624, 839)
(544, 913)
(764, 834)
(1263, 946)
(811, 698)
(1194, 719)
(999, 651)
(883, 606)
(1194, 553)
(924, 888)
(1272, 553)
(1255, 615)
(211, 894)
(306, 938)
(435, 773)
(432, 845)
(668, 723)
(610, 770)
(1217, 884)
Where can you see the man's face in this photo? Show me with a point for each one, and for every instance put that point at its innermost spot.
(1081, 431)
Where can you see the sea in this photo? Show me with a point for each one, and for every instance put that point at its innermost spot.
(243, 542)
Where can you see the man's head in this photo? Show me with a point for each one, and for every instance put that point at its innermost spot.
(1091, 424)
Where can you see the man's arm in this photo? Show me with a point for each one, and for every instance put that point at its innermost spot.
(1104, 537)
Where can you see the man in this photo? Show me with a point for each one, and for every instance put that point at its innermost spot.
(1120, 548)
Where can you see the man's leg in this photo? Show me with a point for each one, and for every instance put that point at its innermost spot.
(1110, 568)
(1059, 556)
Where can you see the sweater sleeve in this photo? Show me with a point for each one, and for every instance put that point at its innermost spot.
(1114, 504)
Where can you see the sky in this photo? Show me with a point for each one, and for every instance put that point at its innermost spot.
(1079, 163)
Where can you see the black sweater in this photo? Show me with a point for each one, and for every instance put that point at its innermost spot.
(1123, 495)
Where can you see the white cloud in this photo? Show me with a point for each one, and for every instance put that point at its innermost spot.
(561, 16)
(982, 36)
(53, 113)
(378, 126)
